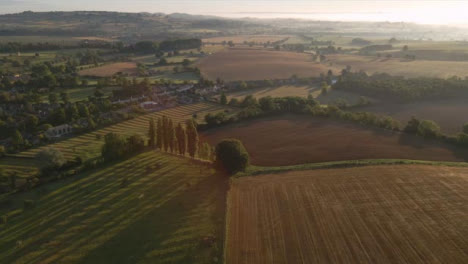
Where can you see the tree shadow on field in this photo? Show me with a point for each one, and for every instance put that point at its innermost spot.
(172, 233)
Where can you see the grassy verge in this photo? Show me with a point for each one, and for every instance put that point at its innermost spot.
(257, 170)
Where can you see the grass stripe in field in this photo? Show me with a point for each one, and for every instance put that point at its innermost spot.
(88, 145)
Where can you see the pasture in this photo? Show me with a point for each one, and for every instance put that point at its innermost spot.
(447, 113)
(374, 214)
(152, 208)
(88, 146)
(110, 69)
(292, 140)
(258, 64)
(399, 67)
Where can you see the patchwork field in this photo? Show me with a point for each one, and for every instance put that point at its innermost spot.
(89, 145)
(110, 69)
(152, 208)
(296, 90)
(375, 214)
(258, 64)
(446, 113)
(400, 67)
(291, 140)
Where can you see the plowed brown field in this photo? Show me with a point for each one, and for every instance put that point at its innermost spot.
(258, 64)
(375, 214)
(291, 140)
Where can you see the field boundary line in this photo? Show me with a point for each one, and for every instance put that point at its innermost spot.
(259, 170)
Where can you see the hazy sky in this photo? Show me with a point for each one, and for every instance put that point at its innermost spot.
(421, 11)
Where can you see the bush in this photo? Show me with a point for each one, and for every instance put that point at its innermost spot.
(51, 158)
(428, 129)
(232, 156)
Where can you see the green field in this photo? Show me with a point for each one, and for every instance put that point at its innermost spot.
(169, 210)
(89, 145)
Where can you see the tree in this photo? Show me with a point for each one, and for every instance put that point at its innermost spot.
(171, 136)
(135, 143)
(465, 128)
(324, 88)
(181, 139)
(65, 98)
(83, 110)
(53, 99)
(51, 158)
(152, 133)
(165, 133)
(192, 138)
(428, 128)
(232, 156)
(114, 146)
(159, 134)
(185, 62)
(223, 99)
(412, 126)
(17, 139)
(31, 122)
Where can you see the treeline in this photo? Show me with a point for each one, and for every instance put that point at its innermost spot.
(253, 108)
(400, 88)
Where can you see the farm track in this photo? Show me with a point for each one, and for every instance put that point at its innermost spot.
(375, 214)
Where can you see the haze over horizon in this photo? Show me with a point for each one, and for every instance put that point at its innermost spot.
(417, 11)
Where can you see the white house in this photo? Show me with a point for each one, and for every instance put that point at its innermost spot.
(149, 105)
(58, 131)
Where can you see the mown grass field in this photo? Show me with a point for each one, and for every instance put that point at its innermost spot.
(110, 69)
(374, 214)
(292, 140)
(258, 64)
(400, 67)
(168, 210)
(89, 145)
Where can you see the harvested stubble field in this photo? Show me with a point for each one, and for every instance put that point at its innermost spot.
(292, 140)
(110, 69)
(375, 214)
(89, 146)
(249, 38)
(296, 90)
(259, 64)
(400, 67)
(446, 113)
(152, 208)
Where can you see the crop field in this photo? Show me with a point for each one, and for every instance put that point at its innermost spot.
(446, 113)
(292, 140)
(375, 214)
(110, 69)
(259, 64)
(400, 67)
(152, 208)
(249, 38)
(296, 90)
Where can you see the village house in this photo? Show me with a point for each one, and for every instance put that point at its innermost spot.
(58, 131)
(149, 105)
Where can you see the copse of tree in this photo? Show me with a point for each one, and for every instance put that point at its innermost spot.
(51, 158)
(181, 139)
(232, 156)
(428, 129)
(117, 146)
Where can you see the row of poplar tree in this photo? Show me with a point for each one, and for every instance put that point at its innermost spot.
(179, 139)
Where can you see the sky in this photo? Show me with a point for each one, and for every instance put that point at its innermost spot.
(419, 11)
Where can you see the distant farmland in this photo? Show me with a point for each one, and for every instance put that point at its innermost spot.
(375, 214)
(291, 140)
(400, 67)
(258, 64)
(249, 38)
(110, 69)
